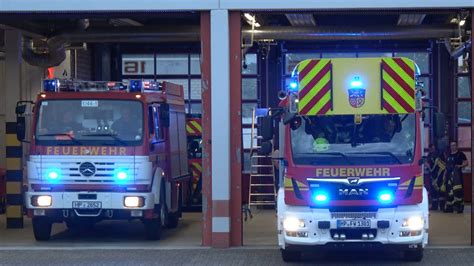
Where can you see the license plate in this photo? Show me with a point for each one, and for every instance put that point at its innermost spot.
(355, 223)
(86, 204)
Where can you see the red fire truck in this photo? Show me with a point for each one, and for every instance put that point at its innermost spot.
(351, 143)
(106, 150)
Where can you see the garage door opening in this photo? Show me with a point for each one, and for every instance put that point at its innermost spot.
(161, 47)
(275, 43)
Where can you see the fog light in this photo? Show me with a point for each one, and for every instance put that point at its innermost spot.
(414, 223)
(133, 202)
(41, 201)
(293, 224)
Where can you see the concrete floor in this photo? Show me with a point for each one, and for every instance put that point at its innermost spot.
(450, 228)
(107, 234)
(445, 229)
(218, 257)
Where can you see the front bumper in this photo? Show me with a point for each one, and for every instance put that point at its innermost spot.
(312, 234)
(110, 202)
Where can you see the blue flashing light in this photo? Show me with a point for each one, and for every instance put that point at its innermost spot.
(53, 174)
(121, 175)
(385, 197)
(51, 85)
(356, 82)
(320, 197)
(136, 85)
(293, 85)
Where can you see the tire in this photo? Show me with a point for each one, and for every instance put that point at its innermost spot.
(413, 255)
(290, 255)
(42, 228)
(173, 219)
(153, 229)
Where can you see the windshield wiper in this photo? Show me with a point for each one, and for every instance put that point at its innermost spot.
(73, 139)
(121, 141)
(380, 153)
(340, 154)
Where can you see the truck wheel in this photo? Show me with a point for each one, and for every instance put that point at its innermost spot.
(153, 228)
(42, 228)
(290, 255)
(413, 255)
(173, 219)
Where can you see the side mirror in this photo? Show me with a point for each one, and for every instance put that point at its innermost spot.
(20, 128)
(266, 148)
(267, 128)
(20, 109)
(439, 125)
(165, 115)
(288, 118)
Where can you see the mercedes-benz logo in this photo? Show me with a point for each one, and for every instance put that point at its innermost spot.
(87, 169)
(353, 180)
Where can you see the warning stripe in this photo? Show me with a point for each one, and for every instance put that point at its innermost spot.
(403, 103)
(305, 78)
(306, 66)
(394, 77)
(196, 125)
(189, 130)
(398, 85)
(193, 127)
(315, 87)
(315, 80)
(318, 104)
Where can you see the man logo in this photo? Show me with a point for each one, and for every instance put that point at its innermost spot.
(354, 192)
(353, 180)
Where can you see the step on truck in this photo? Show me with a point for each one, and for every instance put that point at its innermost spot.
(350, 150)
(105, 151)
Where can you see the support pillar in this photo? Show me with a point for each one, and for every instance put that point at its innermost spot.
(206, 129)
(13, 151)
(222, 128)
(236, 128)
(220, 120)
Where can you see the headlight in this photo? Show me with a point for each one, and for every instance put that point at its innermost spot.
(41, 201)
(414, 223)
(133, 202)
(293, 224)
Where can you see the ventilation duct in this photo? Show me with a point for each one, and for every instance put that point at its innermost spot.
(351, 33)
(52, 56)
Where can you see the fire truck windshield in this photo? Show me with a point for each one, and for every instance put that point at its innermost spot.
(89, 122)
(346, 139)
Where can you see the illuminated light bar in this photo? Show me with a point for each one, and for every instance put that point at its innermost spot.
(142, 85)
(57, 85)
(51, 85)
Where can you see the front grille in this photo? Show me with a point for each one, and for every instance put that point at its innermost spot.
(104, 171)
(353, 215)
